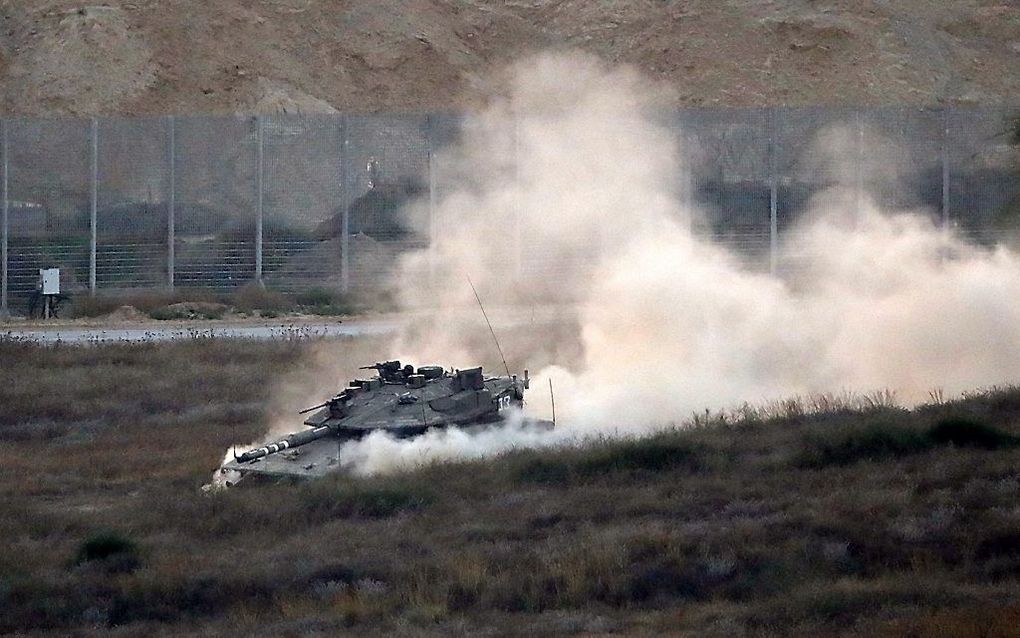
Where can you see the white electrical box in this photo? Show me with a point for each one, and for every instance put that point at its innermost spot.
(50, 279)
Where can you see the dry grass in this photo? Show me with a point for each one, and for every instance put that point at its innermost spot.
(820, 516)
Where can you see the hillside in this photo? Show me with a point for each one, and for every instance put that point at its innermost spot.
(836, 516)
(158, 56)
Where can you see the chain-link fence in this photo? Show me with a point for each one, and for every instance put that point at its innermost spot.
(295, 202)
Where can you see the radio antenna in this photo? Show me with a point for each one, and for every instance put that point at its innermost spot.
(488, 323)
(552, 399)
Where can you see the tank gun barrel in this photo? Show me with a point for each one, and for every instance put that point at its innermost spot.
(294, 440)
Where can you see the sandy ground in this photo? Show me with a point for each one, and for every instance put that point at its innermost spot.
(61, 57)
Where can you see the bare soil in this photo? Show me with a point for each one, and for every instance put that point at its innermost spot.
(59, 57)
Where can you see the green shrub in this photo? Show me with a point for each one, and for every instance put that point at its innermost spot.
(542, 471)
(170, 599)
(656, 454)
(316, 297)
(255, 297)
(327, 500)
(965, 432)
(164, 313)
(83, 305)
(383, 502)
(877, 441)
(331, 310)
(189, 310)
(117, 552)
(324, 302)
(652, 455)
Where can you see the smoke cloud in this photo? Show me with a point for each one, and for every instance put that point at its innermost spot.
(573, 171)
(671, 324)
(381, 453)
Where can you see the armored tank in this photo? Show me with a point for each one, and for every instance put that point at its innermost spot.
(400, 400)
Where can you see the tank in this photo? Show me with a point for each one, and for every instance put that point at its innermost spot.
(400, 400)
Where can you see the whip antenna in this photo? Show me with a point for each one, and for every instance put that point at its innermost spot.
(552, 399)
(488, 323)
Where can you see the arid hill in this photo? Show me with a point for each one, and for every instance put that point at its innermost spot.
(59, 57)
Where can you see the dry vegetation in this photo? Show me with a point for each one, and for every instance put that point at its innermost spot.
(864, 519)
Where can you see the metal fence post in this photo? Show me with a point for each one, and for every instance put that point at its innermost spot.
(770, 151)
(93, 204)
(4, 311)
(345, 204)
(260, 187)
(171, 213)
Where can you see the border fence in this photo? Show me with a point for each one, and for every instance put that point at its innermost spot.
(295, 202)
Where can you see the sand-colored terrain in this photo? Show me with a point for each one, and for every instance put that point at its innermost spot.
(59, 57)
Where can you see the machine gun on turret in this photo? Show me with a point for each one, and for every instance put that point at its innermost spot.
(389, 371)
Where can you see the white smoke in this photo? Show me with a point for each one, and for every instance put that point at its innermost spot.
(381, 453)
(669, 323)
(888, 302)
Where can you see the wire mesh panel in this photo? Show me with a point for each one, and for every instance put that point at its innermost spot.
(984, 192)
(215, 203)
(132, 204)
(727, 176)
(302, 209)
(48, 207)
(385, 184)
(816, 150)
(389, 177)
(443, 135)
(900, 158)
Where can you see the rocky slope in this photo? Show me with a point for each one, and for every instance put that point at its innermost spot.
(61, 57)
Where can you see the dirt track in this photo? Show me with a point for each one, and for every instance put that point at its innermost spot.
(151, 57)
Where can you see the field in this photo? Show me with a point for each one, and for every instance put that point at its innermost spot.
(834, 515)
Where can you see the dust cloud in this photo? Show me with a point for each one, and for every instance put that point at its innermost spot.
(380, 453)
(669, 323)
(568, 189)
